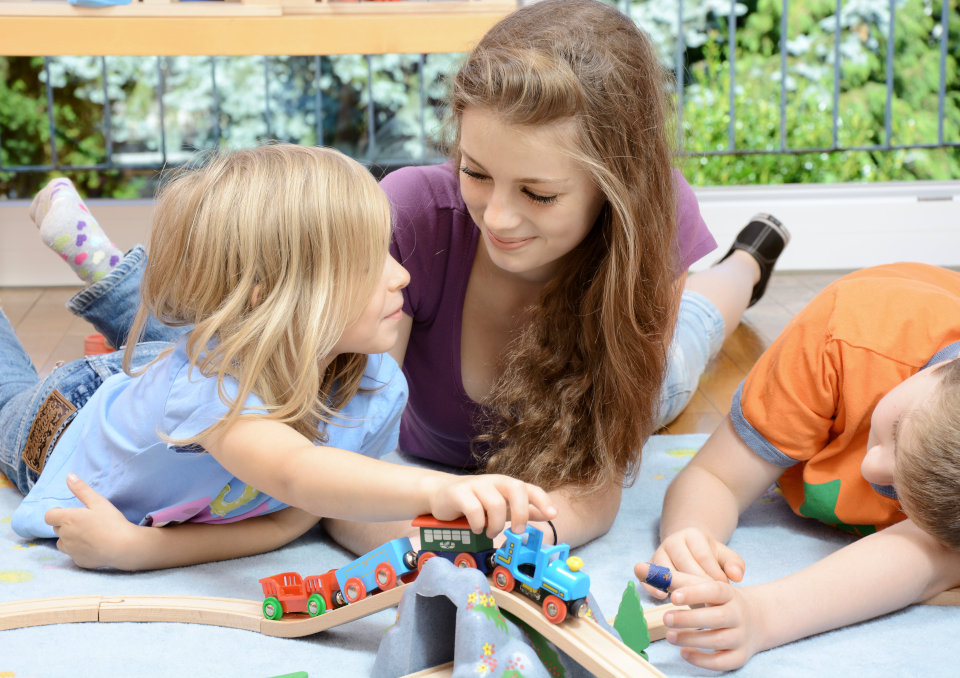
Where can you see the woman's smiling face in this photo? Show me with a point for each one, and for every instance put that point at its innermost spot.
(531, 200)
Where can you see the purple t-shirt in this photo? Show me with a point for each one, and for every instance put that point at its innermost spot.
(436, 240)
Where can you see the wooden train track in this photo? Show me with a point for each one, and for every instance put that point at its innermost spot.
(588, 643)
(229, 612)
(584, 640)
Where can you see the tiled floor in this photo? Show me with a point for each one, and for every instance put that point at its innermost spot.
(50, 333)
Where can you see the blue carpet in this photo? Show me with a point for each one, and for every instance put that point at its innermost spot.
(919, 641)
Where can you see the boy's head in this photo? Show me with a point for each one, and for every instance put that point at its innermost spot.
(926, 452)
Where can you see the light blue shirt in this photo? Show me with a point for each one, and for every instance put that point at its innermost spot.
(115, 444)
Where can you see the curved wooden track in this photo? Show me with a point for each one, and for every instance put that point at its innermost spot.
(583, 639)
(588, 643)
(228, 612)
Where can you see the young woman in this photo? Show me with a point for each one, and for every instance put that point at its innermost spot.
(546, 331)
(277, 261)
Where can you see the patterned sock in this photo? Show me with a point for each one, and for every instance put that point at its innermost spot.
(68, 228)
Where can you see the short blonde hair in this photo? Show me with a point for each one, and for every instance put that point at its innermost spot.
(269, 254)
(927, 470)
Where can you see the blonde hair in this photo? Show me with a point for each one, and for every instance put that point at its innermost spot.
(269, 253)
(927, 466)
(579, 390)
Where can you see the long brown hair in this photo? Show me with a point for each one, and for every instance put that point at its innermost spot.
(269, 253)
(579, 388)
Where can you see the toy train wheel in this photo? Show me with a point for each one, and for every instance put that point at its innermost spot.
(503, 580)
(424, 557)
(338, 600)
(554, 609)
(354, 590)
(410, 560)
(316, 605)
(272, 609)
(465, 560)
(579, 607)
(386, 576)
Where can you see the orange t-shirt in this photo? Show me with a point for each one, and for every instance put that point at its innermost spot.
(806, 404)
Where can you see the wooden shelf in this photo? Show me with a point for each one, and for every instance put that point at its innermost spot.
(254, 27)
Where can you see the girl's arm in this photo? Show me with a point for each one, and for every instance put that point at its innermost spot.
(100, 536)
(875, 575)
(330, 482)
(580, 518)
(703, 505)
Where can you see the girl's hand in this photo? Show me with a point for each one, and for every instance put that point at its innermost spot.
(95, 536)
(724, 626)
(694, 552)
(490, 501)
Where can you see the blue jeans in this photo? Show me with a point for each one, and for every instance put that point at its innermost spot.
(697, 338)
(111, 304)
(23, 393)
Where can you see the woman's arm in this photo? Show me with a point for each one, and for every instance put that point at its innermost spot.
(883, 572)
(98, 535)
(582, 517)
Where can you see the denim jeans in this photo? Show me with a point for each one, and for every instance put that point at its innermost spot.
(697, 338)
(22, 393)
(111, 304)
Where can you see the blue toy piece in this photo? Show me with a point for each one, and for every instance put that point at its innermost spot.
(99, 3)
(546, 575)
(381, 569)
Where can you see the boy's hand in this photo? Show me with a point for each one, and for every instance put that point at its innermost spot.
(95, 536)
(693, 552)
(721, 631)
(491, 500)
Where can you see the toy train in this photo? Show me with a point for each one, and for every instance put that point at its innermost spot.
(547, 575)
(377, 570)
(454, 541)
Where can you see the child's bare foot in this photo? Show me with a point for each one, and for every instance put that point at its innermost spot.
(68, 228)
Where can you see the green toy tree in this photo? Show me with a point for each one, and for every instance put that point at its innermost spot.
(630, 622)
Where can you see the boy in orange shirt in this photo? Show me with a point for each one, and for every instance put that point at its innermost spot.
(855, 408)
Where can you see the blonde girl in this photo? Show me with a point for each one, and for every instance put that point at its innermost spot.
(276, 261)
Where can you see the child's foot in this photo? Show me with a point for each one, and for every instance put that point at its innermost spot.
(68, 228)
(764, 238)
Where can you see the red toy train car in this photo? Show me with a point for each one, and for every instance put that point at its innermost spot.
(377, 570)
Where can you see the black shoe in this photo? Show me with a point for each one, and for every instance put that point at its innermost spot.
(764, 238)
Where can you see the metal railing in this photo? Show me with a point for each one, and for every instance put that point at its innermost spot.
(418, 102)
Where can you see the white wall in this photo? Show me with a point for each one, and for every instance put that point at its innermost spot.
(833, 226)
(845, 226)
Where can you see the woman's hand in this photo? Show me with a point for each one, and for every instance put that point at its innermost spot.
(694, 552)
(490, 501)
(97, 535)
(723, 627)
